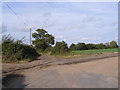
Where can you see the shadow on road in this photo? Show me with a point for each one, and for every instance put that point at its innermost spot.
(13, 81)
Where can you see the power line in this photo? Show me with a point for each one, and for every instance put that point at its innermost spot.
(18, 18)
(15, 13)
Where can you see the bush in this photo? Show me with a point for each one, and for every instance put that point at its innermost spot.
(92, 46)
(48, 50)
(60, 48)
(14, 51)
(81, 46)
(101, 46)
(73, 47)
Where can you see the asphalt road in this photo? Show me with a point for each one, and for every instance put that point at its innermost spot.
(95, 74)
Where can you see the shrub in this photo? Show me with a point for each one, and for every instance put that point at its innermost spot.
(81, 46)
(101, 46)
(49, 49)
(60, 48)
(73, 47)
(92, 46)
(14, 51)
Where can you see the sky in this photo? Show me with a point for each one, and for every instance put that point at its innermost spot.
(73, 22)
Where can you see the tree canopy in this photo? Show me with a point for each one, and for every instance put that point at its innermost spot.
(42, 40)
(113, 44)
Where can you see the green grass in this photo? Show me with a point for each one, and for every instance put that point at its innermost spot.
(96, 51)
(85, 53)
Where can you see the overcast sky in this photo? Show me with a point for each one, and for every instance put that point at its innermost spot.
(69, 21)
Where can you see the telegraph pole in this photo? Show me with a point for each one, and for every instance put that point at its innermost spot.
(30, 36)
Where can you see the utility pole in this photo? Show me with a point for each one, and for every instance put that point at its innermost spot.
(30, 36)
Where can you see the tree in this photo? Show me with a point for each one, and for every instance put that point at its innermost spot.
(60, 48)
(107, 45)
(91, 46)
(42, 40)
(73, 47)
(101, 46)
(81, 46)
(113, 44)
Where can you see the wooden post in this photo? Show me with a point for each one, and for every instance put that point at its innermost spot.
(30, 36)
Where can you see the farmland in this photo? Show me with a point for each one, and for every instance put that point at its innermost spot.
(96, 51)
(85, 53)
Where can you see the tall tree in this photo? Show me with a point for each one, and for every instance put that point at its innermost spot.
(42, 40)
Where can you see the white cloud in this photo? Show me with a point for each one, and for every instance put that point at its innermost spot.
(59, 37)
(89, 39)
(72, 22)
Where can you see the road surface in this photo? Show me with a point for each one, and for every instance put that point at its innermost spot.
(94, 74)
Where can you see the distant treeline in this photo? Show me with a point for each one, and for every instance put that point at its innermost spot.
(15, 50)
(83, 46)
(44, 41)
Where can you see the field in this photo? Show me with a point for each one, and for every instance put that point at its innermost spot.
(96, 51)
(85, 53)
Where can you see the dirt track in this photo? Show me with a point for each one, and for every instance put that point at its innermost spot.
(95, 74)
(46, 60)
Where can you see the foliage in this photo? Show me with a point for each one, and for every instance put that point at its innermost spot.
(81, 46)
(49, 50)
(107, 45)
(60, 48)
(73, 47)
(92, 46)
(101, 46)
(113, 44)
(42, 40)
(15, 51)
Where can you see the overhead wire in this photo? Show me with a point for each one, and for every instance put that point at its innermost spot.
(18, 17)
(15, 13)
